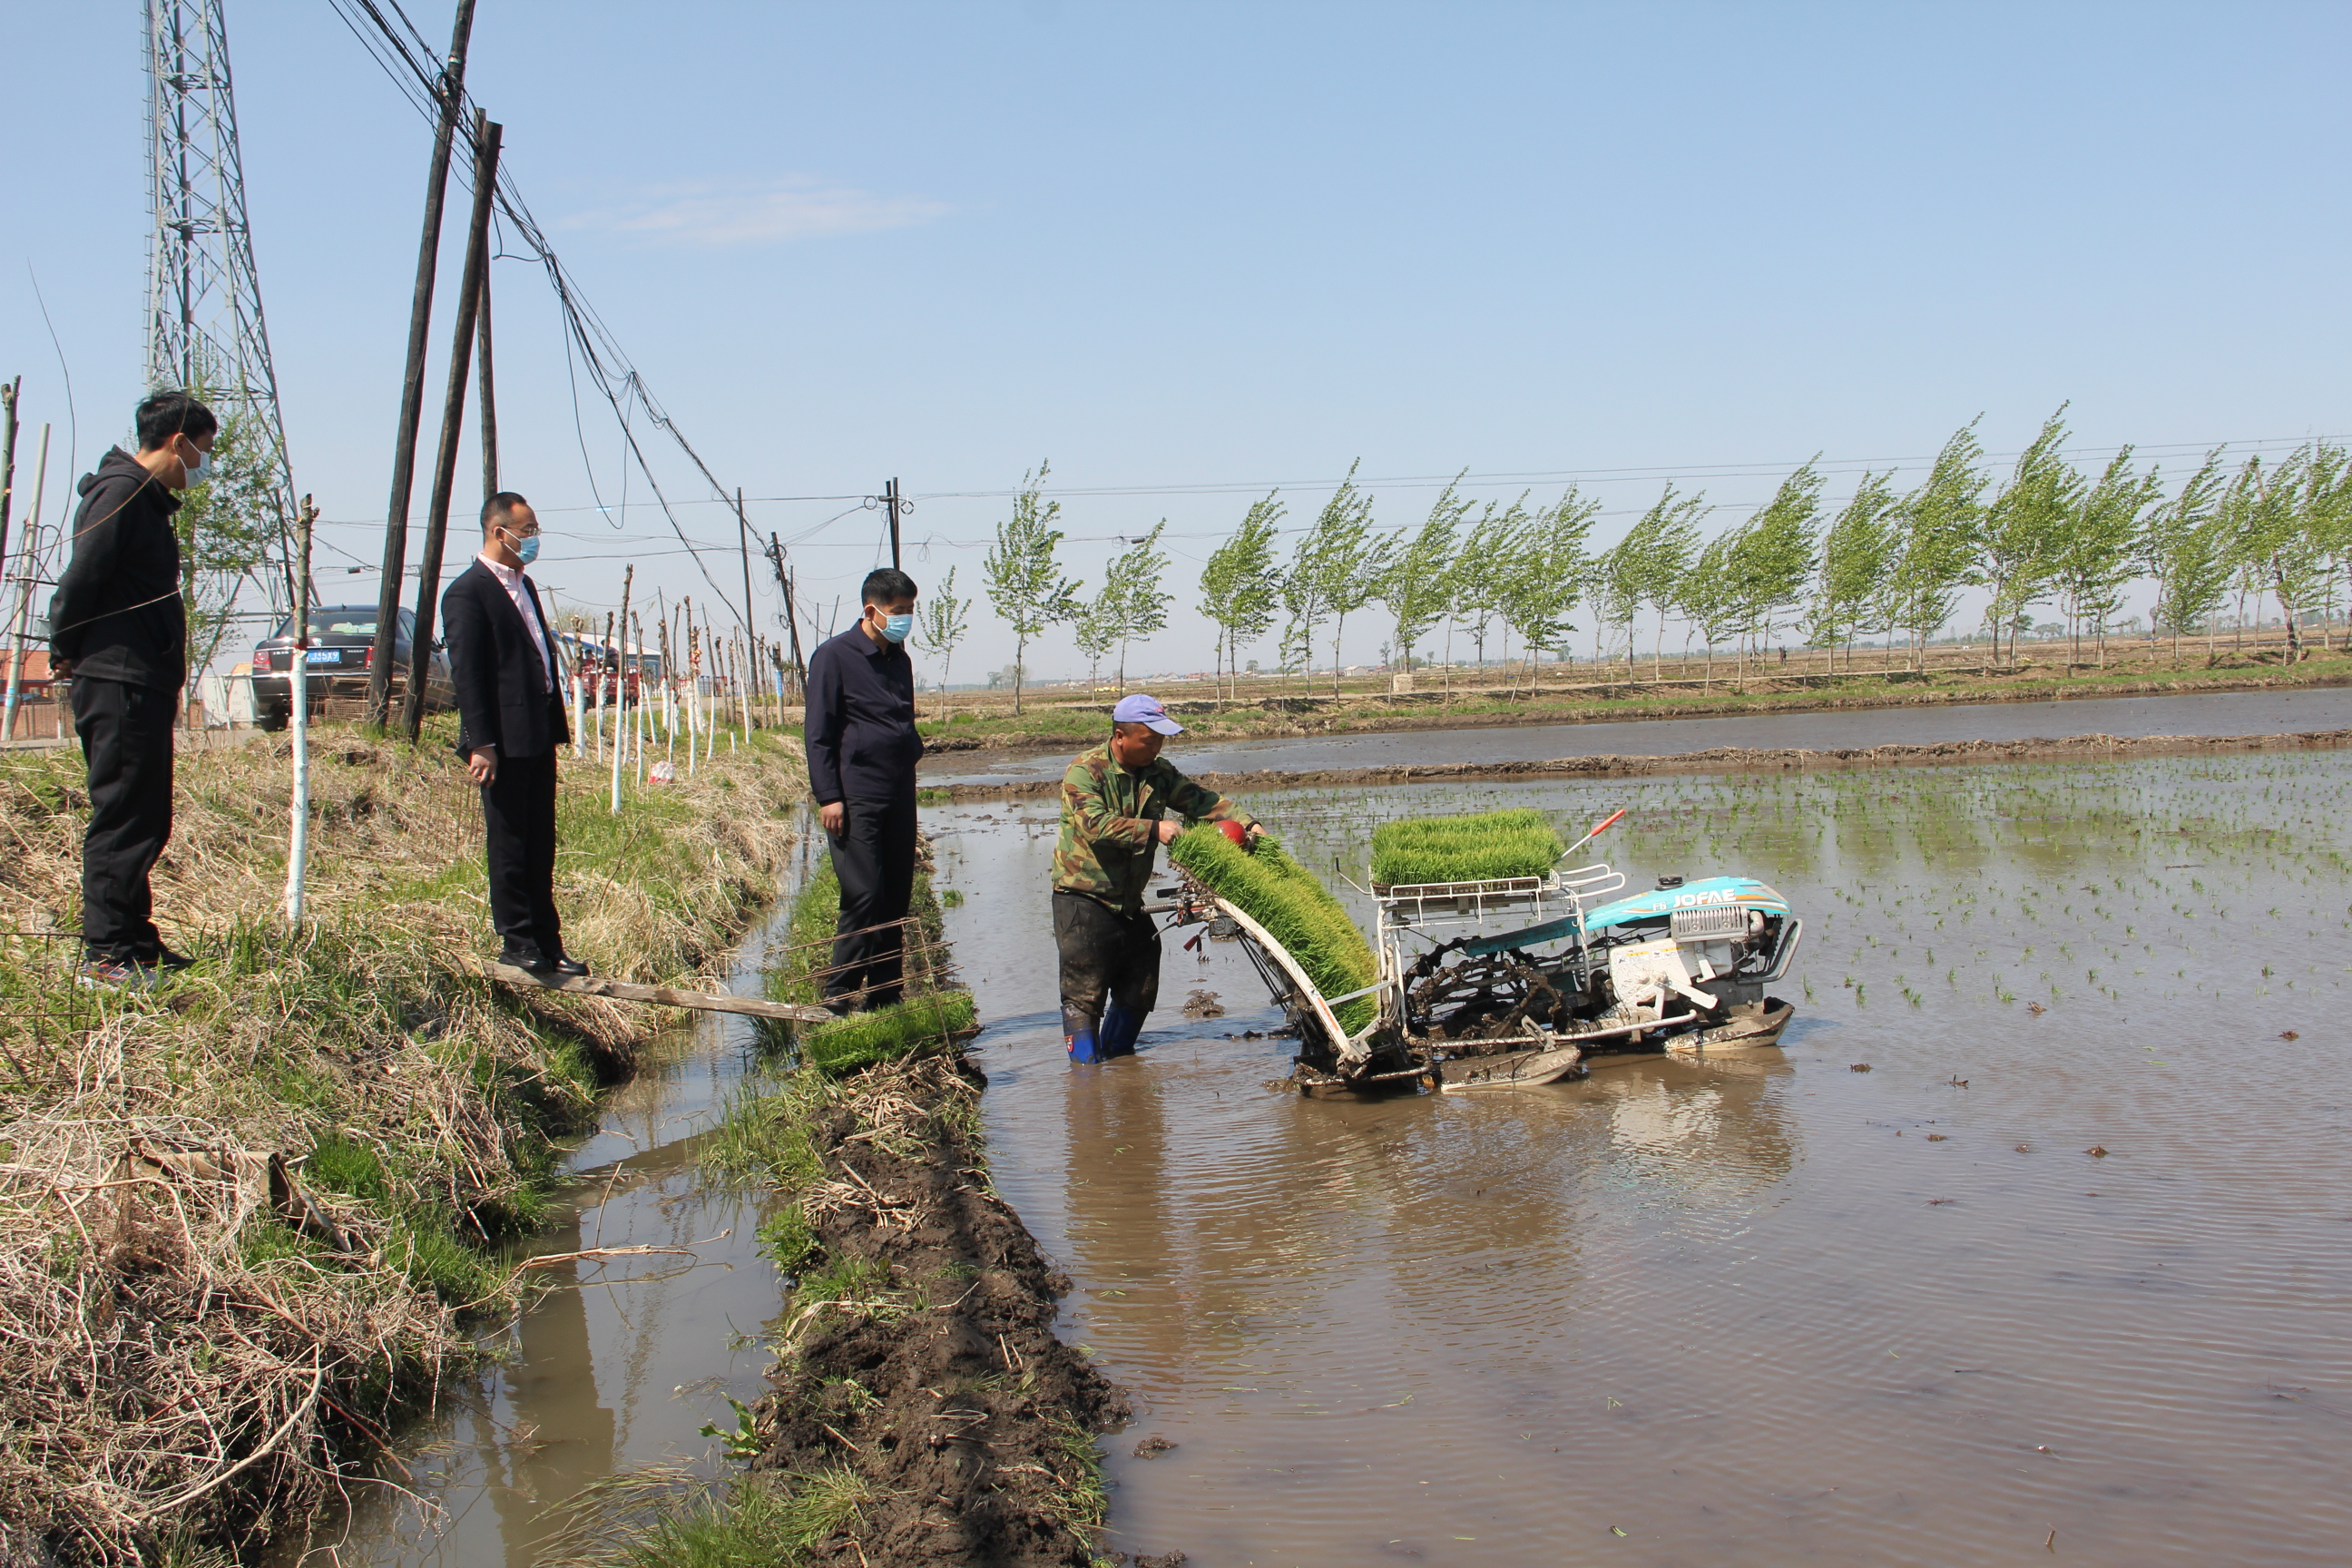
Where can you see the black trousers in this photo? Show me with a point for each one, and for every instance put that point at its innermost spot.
(1105, 955)
(126, 738)
(519, 828)
(874, 857)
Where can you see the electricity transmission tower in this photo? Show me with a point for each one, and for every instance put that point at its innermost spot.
(204, 325)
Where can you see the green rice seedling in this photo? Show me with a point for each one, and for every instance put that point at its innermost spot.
(1486, 847)
(1295, 909)
(889, 1032)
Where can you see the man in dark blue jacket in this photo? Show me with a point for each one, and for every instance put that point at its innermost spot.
(862, 750)
(119, 629)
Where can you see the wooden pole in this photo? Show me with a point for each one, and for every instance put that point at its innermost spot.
(412, 389)
(453, 419)
(893, 503)
(298, 840)
(621, 692)
(9, 392)
(489, 395)
(25, 594)
(743, 543)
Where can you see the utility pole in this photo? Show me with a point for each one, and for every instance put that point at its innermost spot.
(453, 419)
(743, 539)
(791, 615)
(489, 399)
(890, 500)
(412, 388)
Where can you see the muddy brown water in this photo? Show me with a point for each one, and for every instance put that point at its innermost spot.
(2200, 713)
(1768, 1309)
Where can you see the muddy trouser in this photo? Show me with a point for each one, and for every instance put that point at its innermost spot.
(874, 859)
(1107, 958)
(126, 738)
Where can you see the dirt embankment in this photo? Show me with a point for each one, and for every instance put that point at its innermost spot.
(246, 1219)
(1727, 760)
(1299, 715)
(937, 1379)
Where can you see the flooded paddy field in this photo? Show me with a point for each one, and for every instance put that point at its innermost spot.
(2032, 1240)
(2203, 713)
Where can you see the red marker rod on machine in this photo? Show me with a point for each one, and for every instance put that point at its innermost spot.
(1598, 828)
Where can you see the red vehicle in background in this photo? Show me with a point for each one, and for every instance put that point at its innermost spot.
(591, 659)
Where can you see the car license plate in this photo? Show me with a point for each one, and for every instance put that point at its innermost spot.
(326, 656)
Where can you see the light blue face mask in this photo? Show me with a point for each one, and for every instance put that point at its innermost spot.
(200, 470)
(896, 627)
(526, 550)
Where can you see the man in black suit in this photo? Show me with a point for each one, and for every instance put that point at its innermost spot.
(862, 751)
(511, 710)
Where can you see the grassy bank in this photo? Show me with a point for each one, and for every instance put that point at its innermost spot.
(923, 1410)
(245, 1218)
(1276, 709)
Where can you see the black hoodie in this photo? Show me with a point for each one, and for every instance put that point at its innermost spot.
(117, 613)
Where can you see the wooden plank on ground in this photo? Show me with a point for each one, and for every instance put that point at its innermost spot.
(665, 996)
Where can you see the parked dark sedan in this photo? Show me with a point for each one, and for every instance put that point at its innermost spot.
(342, 650)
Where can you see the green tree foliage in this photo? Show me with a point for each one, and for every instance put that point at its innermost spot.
(2096, 558)
(940, 626)
(1658, 554)
(2187, 551)
(1337, 570)
(1417, 586)
(1094, 629)
(1240, 587)
(1024, 580)
(1858, 557)
(1613, 590)
(2022, 531)
(1548, 572)
(1708, 597)
(1132, 585)
(1480, 567)
(1942, 520)
(2277, 542)
(1772, 555)
(229, 527)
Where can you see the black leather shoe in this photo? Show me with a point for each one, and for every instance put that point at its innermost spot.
(571, 968)
(530, 960)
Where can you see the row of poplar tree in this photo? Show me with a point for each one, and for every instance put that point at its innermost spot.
(1887, 563)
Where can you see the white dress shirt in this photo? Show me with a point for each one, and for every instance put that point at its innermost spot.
(511, 579)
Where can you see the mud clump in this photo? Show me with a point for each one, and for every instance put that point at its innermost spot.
(919, 1353)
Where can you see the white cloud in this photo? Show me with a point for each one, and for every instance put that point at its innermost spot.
(756, 212)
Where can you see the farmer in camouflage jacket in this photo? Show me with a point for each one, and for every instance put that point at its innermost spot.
(1116, 801)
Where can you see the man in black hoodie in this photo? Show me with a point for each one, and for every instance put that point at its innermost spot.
(119, 629)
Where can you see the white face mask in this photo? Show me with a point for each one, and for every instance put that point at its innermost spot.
(201, 469)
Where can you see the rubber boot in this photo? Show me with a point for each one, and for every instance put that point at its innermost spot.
(1083, 1036)
(1120, 1025)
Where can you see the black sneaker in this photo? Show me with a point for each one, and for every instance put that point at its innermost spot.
(116, 975)
(172, 962)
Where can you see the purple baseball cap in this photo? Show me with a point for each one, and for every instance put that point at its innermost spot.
(1138, 709)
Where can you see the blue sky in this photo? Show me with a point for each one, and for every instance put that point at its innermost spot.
(1199, 250)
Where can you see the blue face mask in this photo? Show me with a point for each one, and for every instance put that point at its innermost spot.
(526, 550)
(896, 627)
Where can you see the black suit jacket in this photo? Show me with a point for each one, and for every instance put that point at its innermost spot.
(503, 699)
